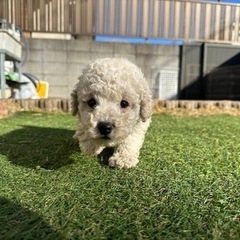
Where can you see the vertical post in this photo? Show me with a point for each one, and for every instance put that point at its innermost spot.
(204, 70)
(2, 76)
(204, 59)
(182, 82)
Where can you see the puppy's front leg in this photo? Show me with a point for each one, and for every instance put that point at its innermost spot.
(90, 148)
(126, 154)
(87, 146)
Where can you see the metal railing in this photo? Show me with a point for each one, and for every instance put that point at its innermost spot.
(165, 19)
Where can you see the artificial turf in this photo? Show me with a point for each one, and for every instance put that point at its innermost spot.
(186, 186)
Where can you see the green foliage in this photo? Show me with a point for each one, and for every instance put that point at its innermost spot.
(186, 186)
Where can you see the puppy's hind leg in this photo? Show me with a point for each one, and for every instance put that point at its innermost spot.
(126, 154)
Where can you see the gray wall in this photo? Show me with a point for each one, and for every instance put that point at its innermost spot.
(60, 62)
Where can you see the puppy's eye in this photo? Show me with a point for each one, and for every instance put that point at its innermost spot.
(92, 103)
(124, 104)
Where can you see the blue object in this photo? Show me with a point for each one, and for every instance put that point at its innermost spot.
(138, 40)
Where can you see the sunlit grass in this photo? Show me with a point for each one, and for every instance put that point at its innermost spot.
(186, 186)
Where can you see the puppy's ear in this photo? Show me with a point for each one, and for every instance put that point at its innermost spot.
(146, 107)
(74, 102)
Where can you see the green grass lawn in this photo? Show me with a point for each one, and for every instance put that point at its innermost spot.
(186, 186)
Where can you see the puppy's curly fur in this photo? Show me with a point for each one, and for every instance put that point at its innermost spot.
(113, 104)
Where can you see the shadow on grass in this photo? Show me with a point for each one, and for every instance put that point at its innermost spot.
(104, 156)
(39, 147)
(17, 222)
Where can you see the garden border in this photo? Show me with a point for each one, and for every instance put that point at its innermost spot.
(8, 106)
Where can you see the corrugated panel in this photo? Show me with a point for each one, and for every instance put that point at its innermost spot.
(63, 16)
(82, 17)
(166, 19)
(180, 19)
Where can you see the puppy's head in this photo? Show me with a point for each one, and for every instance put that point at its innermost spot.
(109, 99)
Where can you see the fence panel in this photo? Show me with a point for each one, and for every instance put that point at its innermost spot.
(167, 19)
(57, 16)
(158, 19)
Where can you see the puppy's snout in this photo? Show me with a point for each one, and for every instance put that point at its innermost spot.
(105, 128)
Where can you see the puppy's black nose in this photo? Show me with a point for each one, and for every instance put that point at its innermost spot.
(105, 128)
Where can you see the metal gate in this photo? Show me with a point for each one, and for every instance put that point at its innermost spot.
(191, 72)
(210, 71)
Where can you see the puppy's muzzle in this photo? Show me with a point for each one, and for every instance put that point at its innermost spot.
(105, 128)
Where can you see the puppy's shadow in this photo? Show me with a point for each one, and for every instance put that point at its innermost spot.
(33, 147)
(105, 155)
(17, 222)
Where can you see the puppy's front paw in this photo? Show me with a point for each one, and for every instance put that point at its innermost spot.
(122, 162)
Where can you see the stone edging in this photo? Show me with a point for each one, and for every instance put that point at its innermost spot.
(195, 104)
(8, 106)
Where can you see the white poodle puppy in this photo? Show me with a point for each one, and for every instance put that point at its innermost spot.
(113, 104)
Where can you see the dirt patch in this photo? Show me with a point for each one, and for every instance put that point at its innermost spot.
(7, 108)
(3, 109)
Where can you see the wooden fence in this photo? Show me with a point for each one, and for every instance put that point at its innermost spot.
(165, 19)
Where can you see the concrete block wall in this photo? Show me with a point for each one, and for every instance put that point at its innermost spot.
(60, 62)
